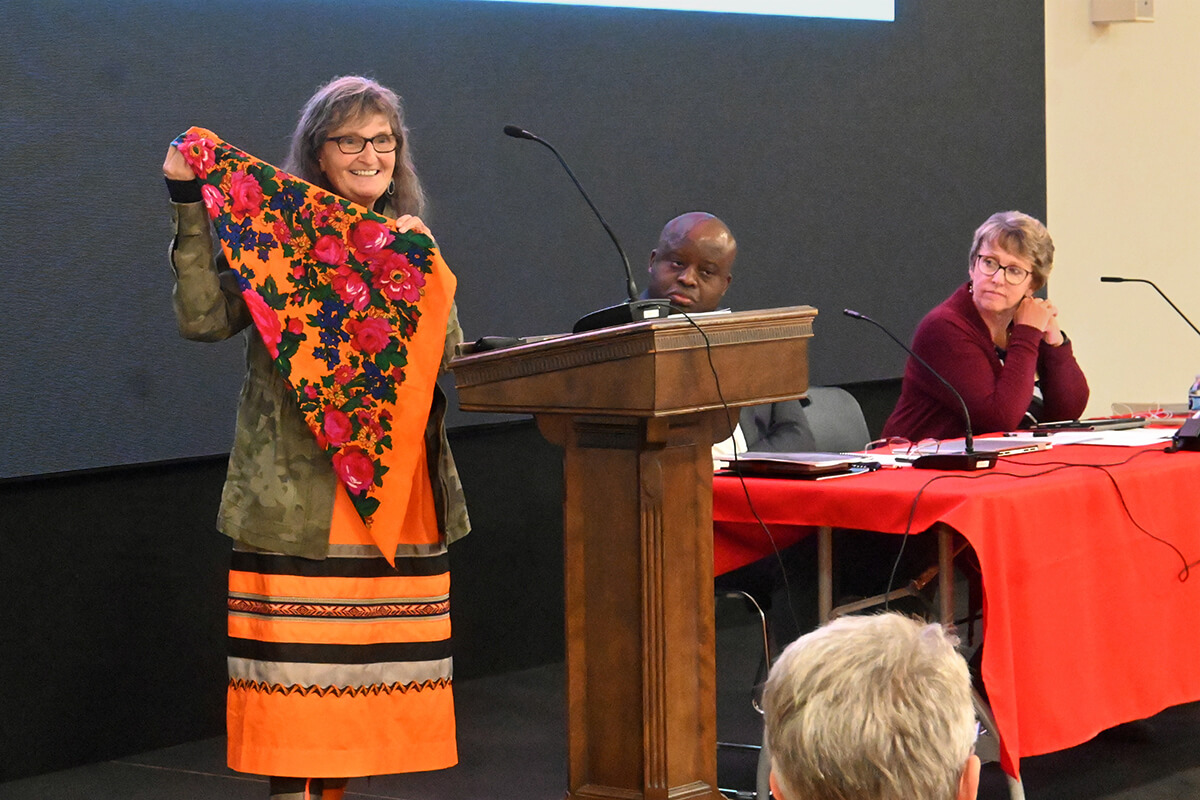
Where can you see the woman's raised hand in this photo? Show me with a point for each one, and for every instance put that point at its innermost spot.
(175, 168)
(1041, 314)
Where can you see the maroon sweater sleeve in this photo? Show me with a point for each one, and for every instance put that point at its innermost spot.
(956, 343)
(1064, 388)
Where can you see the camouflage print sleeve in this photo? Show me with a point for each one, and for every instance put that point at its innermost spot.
(208, 303)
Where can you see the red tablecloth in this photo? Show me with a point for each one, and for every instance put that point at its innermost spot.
(1087, 623)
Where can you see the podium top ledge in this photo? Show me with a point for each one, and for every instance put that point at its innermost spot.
(683, 330)
(653, 367)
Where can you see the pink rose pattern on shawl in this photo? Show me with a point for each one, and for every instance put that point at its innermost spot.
(265, 320)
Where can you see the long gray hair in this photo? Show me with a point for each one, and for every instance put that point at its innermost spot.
(346, 99)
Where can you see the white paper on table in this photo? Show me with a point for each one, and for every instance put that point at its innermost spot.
(1128, 437)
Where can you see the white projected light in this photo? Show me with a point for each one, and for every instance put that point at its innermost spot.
(883, 10)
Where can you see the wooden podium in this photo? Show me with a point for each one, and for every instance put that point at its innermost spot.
(636, 409)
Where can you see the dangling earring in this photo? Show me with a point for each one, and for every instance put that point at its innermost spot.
(970, 288)
(391, 188)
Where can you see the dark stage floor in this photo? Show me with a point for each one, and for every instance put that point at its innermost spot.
(512, 747)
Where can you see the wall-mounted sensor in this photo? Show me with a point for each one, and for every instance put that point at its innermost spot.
(1106, 11)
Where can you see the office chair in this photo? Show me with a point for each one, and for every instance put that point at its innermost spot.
(836, 419)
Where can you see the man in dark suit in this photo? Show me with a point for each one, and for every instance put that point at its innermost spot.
(692, 266)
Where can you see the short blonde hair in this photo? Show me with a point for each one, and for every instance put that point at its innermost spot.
(870, 708)
(1021, 235)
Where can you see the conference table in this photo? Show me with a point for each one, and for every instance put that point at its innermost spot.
(1090, 565)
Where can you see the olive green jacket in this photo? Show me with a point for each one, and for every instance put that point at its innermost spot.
(279, 488)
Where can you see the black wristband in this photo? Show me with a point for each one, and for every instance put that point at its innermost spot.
(184, 191)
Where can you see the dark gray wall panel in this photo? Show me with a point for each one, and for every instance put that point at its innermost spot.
(852, 160)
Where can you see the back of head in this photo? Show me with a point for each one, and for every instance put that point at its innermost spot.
(345, 100)
(870, 708)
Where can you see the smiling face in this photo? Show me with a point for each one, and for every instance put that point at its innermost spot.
(693, 262)
(360, 177)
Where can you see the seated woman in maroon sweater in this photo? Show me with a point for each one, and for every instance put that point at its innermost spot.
(996, 343)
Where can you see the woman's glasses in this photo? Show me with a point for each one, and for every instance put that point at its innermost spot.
(989, 266)
(351, 145)
(899, 446)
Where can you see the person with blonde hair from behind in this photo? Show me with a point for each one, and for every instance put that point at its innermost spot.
(872, 708)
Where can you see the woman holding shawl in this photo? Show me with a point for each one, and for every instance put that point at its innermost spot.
(339, 632)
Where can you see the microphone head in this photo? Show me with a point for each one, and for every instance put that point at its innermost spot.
(849, 312)
(517, 133)
(1111, 279)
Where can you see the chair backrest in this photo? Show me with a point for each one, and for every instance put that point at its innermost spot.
(836, 419)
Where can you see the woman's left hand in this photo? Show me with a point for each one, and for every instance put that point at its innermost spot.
(408, 222)
(175, 167)
(1053, 335)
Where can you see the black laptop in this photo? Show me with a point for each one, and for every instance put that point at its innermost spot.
(1094, 424)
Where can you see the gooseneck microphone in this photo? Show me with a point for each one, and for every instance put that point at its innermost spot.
(633, 309)
(521, 133)
(968, 459)
(1113, 279)
(1188, 435)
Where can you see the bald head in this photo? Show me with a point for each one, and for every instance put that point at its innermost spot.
(693, 263)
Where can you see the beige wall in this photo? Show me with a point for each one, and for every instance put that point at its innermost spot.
(1123, 195)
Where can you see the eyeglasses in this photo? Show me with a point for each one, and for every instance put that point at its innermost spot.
(990, 266)
(899, 446)
(352, 145)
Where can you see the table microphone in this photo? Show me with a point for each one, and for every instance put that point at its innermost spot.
(1188, 435)
(633, 309)
(967, 460)
(1113, 279)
